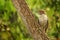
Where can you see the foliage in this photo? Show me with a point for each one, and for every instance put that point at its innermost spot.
(12, 26)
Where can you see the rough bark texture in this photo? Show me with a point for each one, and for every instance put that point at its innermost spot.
(29, 19)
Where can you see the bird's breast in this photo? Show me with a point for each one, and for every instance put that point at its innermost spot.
(43, 19)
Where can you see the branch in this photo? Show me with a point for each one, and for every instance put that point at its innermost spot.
(29, 19)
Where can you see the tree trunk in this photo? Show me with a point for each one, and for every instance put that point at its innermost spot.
(29, 19)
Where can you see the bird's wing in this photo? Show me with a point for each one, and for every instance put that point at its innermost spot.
(46, 26)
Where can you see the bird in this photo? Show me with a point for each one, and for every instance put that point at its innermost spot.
(43, 20)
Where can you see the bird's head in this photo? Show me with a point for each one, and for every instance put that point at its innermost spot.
(41, 12)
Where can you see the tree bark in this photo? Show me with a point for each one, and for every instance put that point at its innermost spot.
(29, 19)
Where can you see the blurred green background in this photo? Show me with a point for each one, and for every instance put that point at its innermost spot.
(12, 26)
